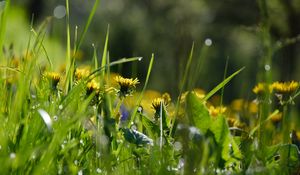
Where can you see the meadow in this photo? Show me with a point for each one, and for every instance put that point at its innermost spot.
(73, 117)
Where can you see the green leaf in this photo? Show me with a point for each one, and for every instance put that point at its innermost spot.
(197, 113)
(230, 150)
(136, 137)
(220, 129)
(151, 128)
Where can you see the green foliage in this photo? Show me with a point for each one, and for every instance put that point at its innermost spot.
(62, 123)
(197, 113)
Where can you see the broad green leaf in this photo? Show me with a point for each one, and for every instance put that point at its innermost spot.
(197, 113)
(230, 150)
(220, 129)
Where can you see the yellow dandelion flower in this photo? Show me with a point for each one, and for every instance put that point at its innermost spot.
(262, 88)
(253, 107)
(156, 103)
(285, 87)
(167, 98)
(81, 73)
(53, 77)
(276, 118)
(93, 87)
(215, 111)
(237, 105)
(126, 85)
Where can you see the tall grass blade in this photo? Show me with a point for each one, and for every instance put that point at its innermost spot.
(87, 25)
(104, 57)
(143, 91)
(68, 51)
(221, 85)
(181, 88)
(225, 74)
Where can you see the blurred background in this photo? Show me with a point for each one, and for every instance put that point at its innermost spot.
(221, 30)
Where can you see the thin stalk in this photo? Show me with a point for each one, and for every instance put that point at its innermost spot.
(117, 109)
(266, 64)
(132, 117)
(224, 77)
(284, 157)
(181, 88)
(68, 52)
(161, 126)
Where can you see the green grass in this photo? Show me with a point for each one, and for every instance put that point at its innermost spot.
(60, 123)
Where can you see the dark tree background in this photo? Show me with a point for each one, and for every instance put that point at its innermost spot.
(169, 27)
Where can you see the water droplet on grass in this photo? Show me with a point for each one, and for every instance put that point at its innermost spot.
(98, 154)
(80, 172)
(267, 67)
(59, 11)
(81, 142)
(60, 107)
(55, 118)
(98, 170)
(208, 42)
(140, 59)
(12, 155)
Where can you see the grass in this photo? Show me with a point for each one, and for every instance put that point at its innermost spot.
(83, 121)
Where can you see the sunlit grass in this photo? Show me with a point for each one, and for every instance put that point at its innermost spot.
(88, 120)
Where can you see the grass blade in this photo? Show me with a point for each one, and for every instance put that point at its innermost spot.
(143, 91)
(221, 85)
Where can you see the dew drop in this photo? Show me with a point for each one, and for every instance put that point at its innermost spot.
(60, 107)
(59, 11)
(140, 109)
(98, 170)
(76, 162)
(80, 172)
(12, 155)
(81, 142)
(98, 154)
(208, 42)
(267, 67)
(140, 59)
